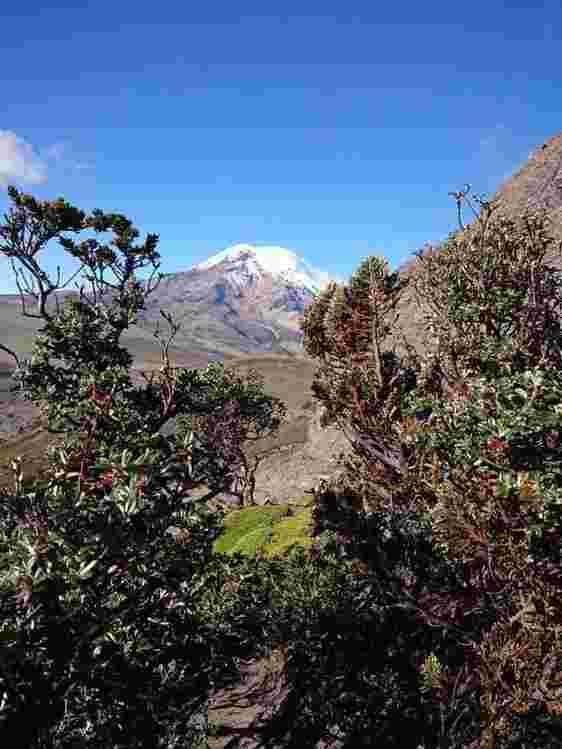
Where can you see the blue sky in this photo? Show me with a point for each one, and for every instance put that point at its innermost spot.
(333, 129)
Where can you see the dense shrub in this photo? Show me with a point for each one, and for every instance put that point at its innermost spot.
(464, 444)
(427, 614)
(102, 640)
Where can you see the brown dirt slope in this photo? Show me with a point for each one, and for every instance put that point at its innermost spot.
(291, 462)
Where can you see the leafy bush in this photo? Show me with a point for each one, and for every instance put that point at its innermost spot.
(102, 640)
(427, 612)
(451, 496)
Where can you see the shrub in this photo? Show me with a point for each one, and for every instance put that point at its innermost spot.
(102, 640)
(426, 613)
(450, 498)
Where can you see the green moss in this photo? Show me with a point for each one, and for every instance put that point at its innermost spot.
(247, 530)
(290, 532)
(269, 529)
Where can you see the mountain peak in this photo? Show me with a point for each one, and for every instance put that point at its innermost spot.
(283, 264)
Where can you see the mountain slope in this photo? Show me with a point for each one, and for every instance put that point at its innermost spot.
(243, 299)
(535, 185)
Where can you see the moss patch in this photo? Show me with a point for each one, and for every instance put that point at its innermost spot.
(247, 529)
(273, 529)
(290, 532)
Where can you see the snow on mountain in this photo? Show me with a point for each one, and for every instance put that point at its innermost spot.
(244, 299)
(245, 261)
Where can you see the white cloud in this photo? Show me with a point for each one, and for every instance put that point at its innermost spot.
(18, 162)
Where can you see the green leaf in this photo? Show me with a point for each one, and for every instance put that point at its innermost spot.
(87, 569)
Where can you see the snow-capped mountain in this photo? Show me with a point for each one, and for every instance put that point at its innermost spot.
(243, 299)
(249, 261)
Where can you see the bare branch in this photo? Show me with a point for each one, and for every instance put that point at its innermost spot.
(12, 353)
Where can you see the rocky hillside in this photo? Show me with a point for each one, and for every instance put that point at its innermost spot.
(537, 184)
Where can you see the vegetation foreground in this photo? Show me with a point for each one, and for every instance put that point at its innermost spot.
(417, 601)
